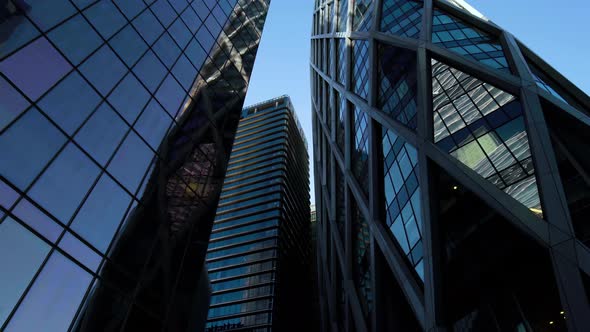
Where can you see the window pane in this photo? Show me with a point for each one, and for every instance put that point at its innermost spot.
(30, 143)
(102, 213)
(184, 72)
(48, 13)
(69, 109)
(170, 94)
(105, 17)
(12, 103)
(64, 184)
(150, 71)
(18, 31)
(164, 12)
(35, 68)
(23, 263)
(103, 69)
(131, 161)
(129, 45)
(180, 33)
(129, 98)
(153, 124)
(195, 53)
(101, 135)
(167, 50)
(38, 220)
(205, 39)
(53, 300)
(148, 26)
(76, 39)
(80, 251)
(191, 19)
(130, 7)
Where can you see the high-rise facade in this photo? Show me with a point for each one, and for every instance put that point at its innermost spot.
(259, 254)
(452, 182)
(116, 122)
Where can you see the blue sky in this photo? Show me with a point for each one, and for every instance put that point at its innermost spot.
(557, 31)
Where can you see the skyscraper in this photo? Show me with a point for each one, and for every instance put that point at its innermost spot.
(452, 186)
(259, 255)
(116, 122)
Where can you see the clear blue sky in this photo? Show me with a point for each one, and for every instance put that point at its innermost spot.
(557, 31)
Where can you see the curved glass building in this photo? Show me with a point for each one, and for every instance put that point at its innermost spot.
(116, 123)
(452, 182)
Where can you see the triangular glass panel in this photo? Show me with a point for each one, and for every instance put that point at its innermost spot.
(402, 17)
(571, 153)
(403, 214)
(483, 127)
(362, 19)
(545, 83)
(456, 35)
(398, 84)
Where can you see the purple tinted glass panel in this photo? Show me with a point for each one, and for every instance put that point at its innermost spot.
(76, 39)
(38, 220)
(7, 195)
(35, 68)
(80, 251)
(49, 13)
(12, 103)
(51, 303)
(17, 30)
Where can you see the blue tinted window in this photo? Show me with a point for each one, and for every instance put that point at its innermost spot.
(48, 13)
(148, 26)
(105, 17)
(150, 71)
(153, 124)
(129, 98)
(80, 251)
(18, 31)
(180, 33)
(7, 195)
(213, 26)
(69, 109)
(184, 72)
(82, 3)
(76, 39)
(101, 135)
(167, 50)
(51, 303)
(170, 95)
(63, 185)
(191, 19)
(131, 161)
(195, 53)
(201, 9)
(103, 69)
(205, 38)
(164, 12)
(38, 220)
(178, 5)
(102, 213)
(30, 143)
(35, 68)
(130, 7)
(129, 45)
(12, 103)
(19, 266)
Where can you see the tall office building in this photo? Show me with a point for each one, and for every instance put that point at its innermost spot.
(452, 173)
(259, 254)
(116, 122)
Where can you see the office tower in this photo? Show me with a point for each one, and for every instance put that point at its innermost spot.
(259, 253)
(117, 118)
(452, 173)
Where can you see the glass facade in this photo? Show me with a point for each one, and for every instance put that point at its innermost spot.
(259, 249)
(451, 174)
(115, 120)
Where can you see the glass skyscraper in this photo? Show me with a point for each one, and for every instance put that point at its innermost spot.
(259, 255)
(452, 173)
(116, 122)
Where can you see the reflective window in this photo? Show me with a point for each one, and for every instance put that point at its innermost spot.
(52, 301)
(128, 45)
(82, 3)
(483, 127)
(76, 39)
(12, 103)
(205, 38)
(103, 69)
(153, 124)
(195, 53)
(69, 109)
(105, 17)
(164, 12)
(201, 10)
(19, 266)
(184, 72)
(191, 19)
(402, 17)
(64, 184)
(17, 29)
(167, 50)
(47, 14)
(214, 29)
(342, 15)
(360, 69)
(30, 143)
(170, 94)
(81, 252)
(362, 259)
(131, 161)
(179, 5)
(38, 220)
(129, 98)
(35, 68)
(101, 135)
(130, 8)
(150, 71)
(341, 60)
(459, 37)
(180, 33)
(360, 154)
(362, 19)
(148, 26)
(398, 84)
(7, 195)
